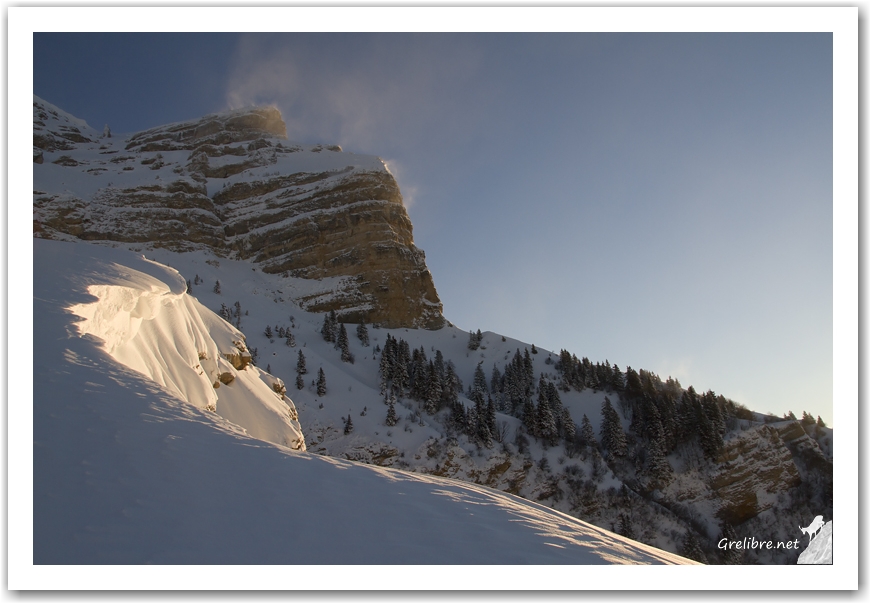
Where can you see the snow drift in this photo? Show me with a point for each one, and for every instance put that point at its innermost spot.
(148, 323)
(127, 471)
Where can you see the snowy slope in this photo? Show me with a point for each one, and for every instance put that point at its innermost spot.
(126, 471)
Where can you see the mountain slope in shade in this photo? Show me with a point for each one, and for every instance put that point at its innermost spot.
(127, 472)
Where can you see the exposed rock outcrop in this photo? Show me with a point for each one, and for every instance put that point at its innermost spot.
(753, 467)
(233, 184)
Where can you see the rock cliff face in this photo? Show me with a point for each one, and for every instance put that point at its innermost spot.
(233, 184)
(754, 473)
(753, 467)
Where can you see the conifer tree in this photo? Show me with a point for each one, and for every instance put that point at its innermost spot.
(343, 345)
(495, 380)
(617, 379)
(479, 384)
(528, 416)
(569, 429)
(290, 340)
(329, 327)
(362, 334)
(587, 434)
(555, 402)
(217, 287)
(237, 312)
(474, 340)
(458, 416)
(545, 423)
(300, 364)
(224, 312)
(321, 382)
(268, 332)
(452, 386)
(440, 367)
(691, 548)
(348, 425)
(612, 436)
(300, 382)
(490, 417)
(433, 390)
(624, 527)
(189, 287)
(658, 469)
(392, 418)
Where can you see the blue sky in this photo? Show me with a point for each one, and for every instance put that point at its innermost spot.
(662, 201)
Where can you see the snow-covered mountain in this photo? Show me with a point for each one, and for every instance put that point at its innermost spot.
(222, 204)
(234, 185)
(132, 465)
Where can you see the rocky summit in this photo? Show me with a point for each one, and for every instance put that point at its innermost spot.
(233, 184)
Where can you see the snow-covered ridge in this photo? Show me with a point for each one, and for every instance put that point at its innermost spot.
(148, 323)
(126, 472)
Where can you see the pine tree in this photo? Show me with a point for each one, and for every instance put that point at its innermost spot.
(290, 340)
(343, 345)
(569, 429)
(458, 416)
(528, 416)
(217, 287)
(321, 382)
(224, 312)
(624, 527)
(300, 382)
(658, 469)
(434, 390)
(452, 387)
(691, 548)
(495, 380)
(612, 436)
(474, 340)
(300, 364)
(479, 383)
(490, 417)
(329, 326)
(555, 403)
(392, 419)
(545, 423)
(268, 332)
(587, 434)
(348, 425)
(189, 287)
(362, 334)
